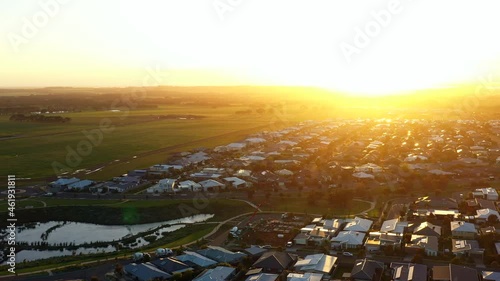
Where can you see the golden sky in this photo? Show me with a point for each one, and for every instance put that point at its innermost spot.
(370, 47)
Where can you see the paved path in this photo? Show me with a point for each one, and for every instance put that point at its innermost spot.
(372, 205)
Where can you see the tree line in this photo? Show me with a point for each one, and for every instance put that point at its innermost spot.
(39, 118)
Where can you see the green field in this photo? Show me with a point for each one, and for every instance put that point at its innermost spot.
(38, 146)
(300, 205)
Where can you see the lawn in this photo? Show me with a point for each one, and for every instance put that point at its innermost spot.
(300, 205)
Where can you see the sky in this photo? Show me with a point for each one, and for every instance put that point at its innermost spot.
(372, 47)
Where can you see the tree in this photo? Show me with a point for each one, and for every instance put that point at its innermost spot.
(119, 269)
(456, 260)
(418, 258)
(492, 219)
(94, 278)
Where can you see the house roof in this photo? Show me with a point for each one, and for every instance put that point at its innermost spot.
(358, 224)
(428, 229)
(462, 226)
(485, 213)
(308, 276)
(316, 263)
(455, 273)
(221, 255)
(262, 277)
(409, 271)
(220, 273)
(171, 265)
(426, 242)
(459, 245)
(389, 225)
(235, 180)
(255, 250)
(491, 275)
(349, 237)
(366, 269)
(275, 260)
(63, 181)
(81, 184)
(210, 183)
(196, 259)
(145, 271)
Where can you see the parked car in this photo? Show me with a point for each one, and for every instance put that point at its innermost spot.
(266, 246)
(289, 244)
(347, 254)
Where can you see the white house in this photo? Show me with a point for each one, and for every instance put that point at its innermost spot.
(486, 193)
(318, 263)
(211, 184)
(393, 226)
(164, 185)
(236, 182)
(348, 239)
(461, 229)
(189, 185)
(428, 243)
(243, 173)
(358, 224)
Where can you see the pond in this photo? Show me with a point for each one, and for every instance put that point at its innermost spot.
(80, 233)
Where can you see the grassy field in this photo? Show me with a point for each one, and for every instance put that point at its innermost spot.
(38, 146)
(322, 208)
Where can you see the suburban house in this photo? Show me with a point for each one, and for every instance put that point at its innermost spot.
(220, 254)
(80, 185)
(195, 259)
(333, 225)
(171, 265)
(144, 271)
(301, 239)
(317, 236)
(348, 239)
(466, 248)
(487, 193)
(378, 241)
(189, 185)
(367, 270)
(427, 229)
(318, 263)
(483, 214)
(393, 226)
(211, 185)
(63, 183)
(358, 224)
(262, 277)
(428, 243)
(236, 182)
(454, 272)
(164, 185)
(284, 173)
(408, 272)
(275, 262)
(163, 168)
(304, 277)
(461, 229)
(255, 251)
(490, 275)
(220, 273)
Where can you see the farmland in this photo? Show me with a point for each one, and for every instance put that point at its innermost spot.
(137, 133)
